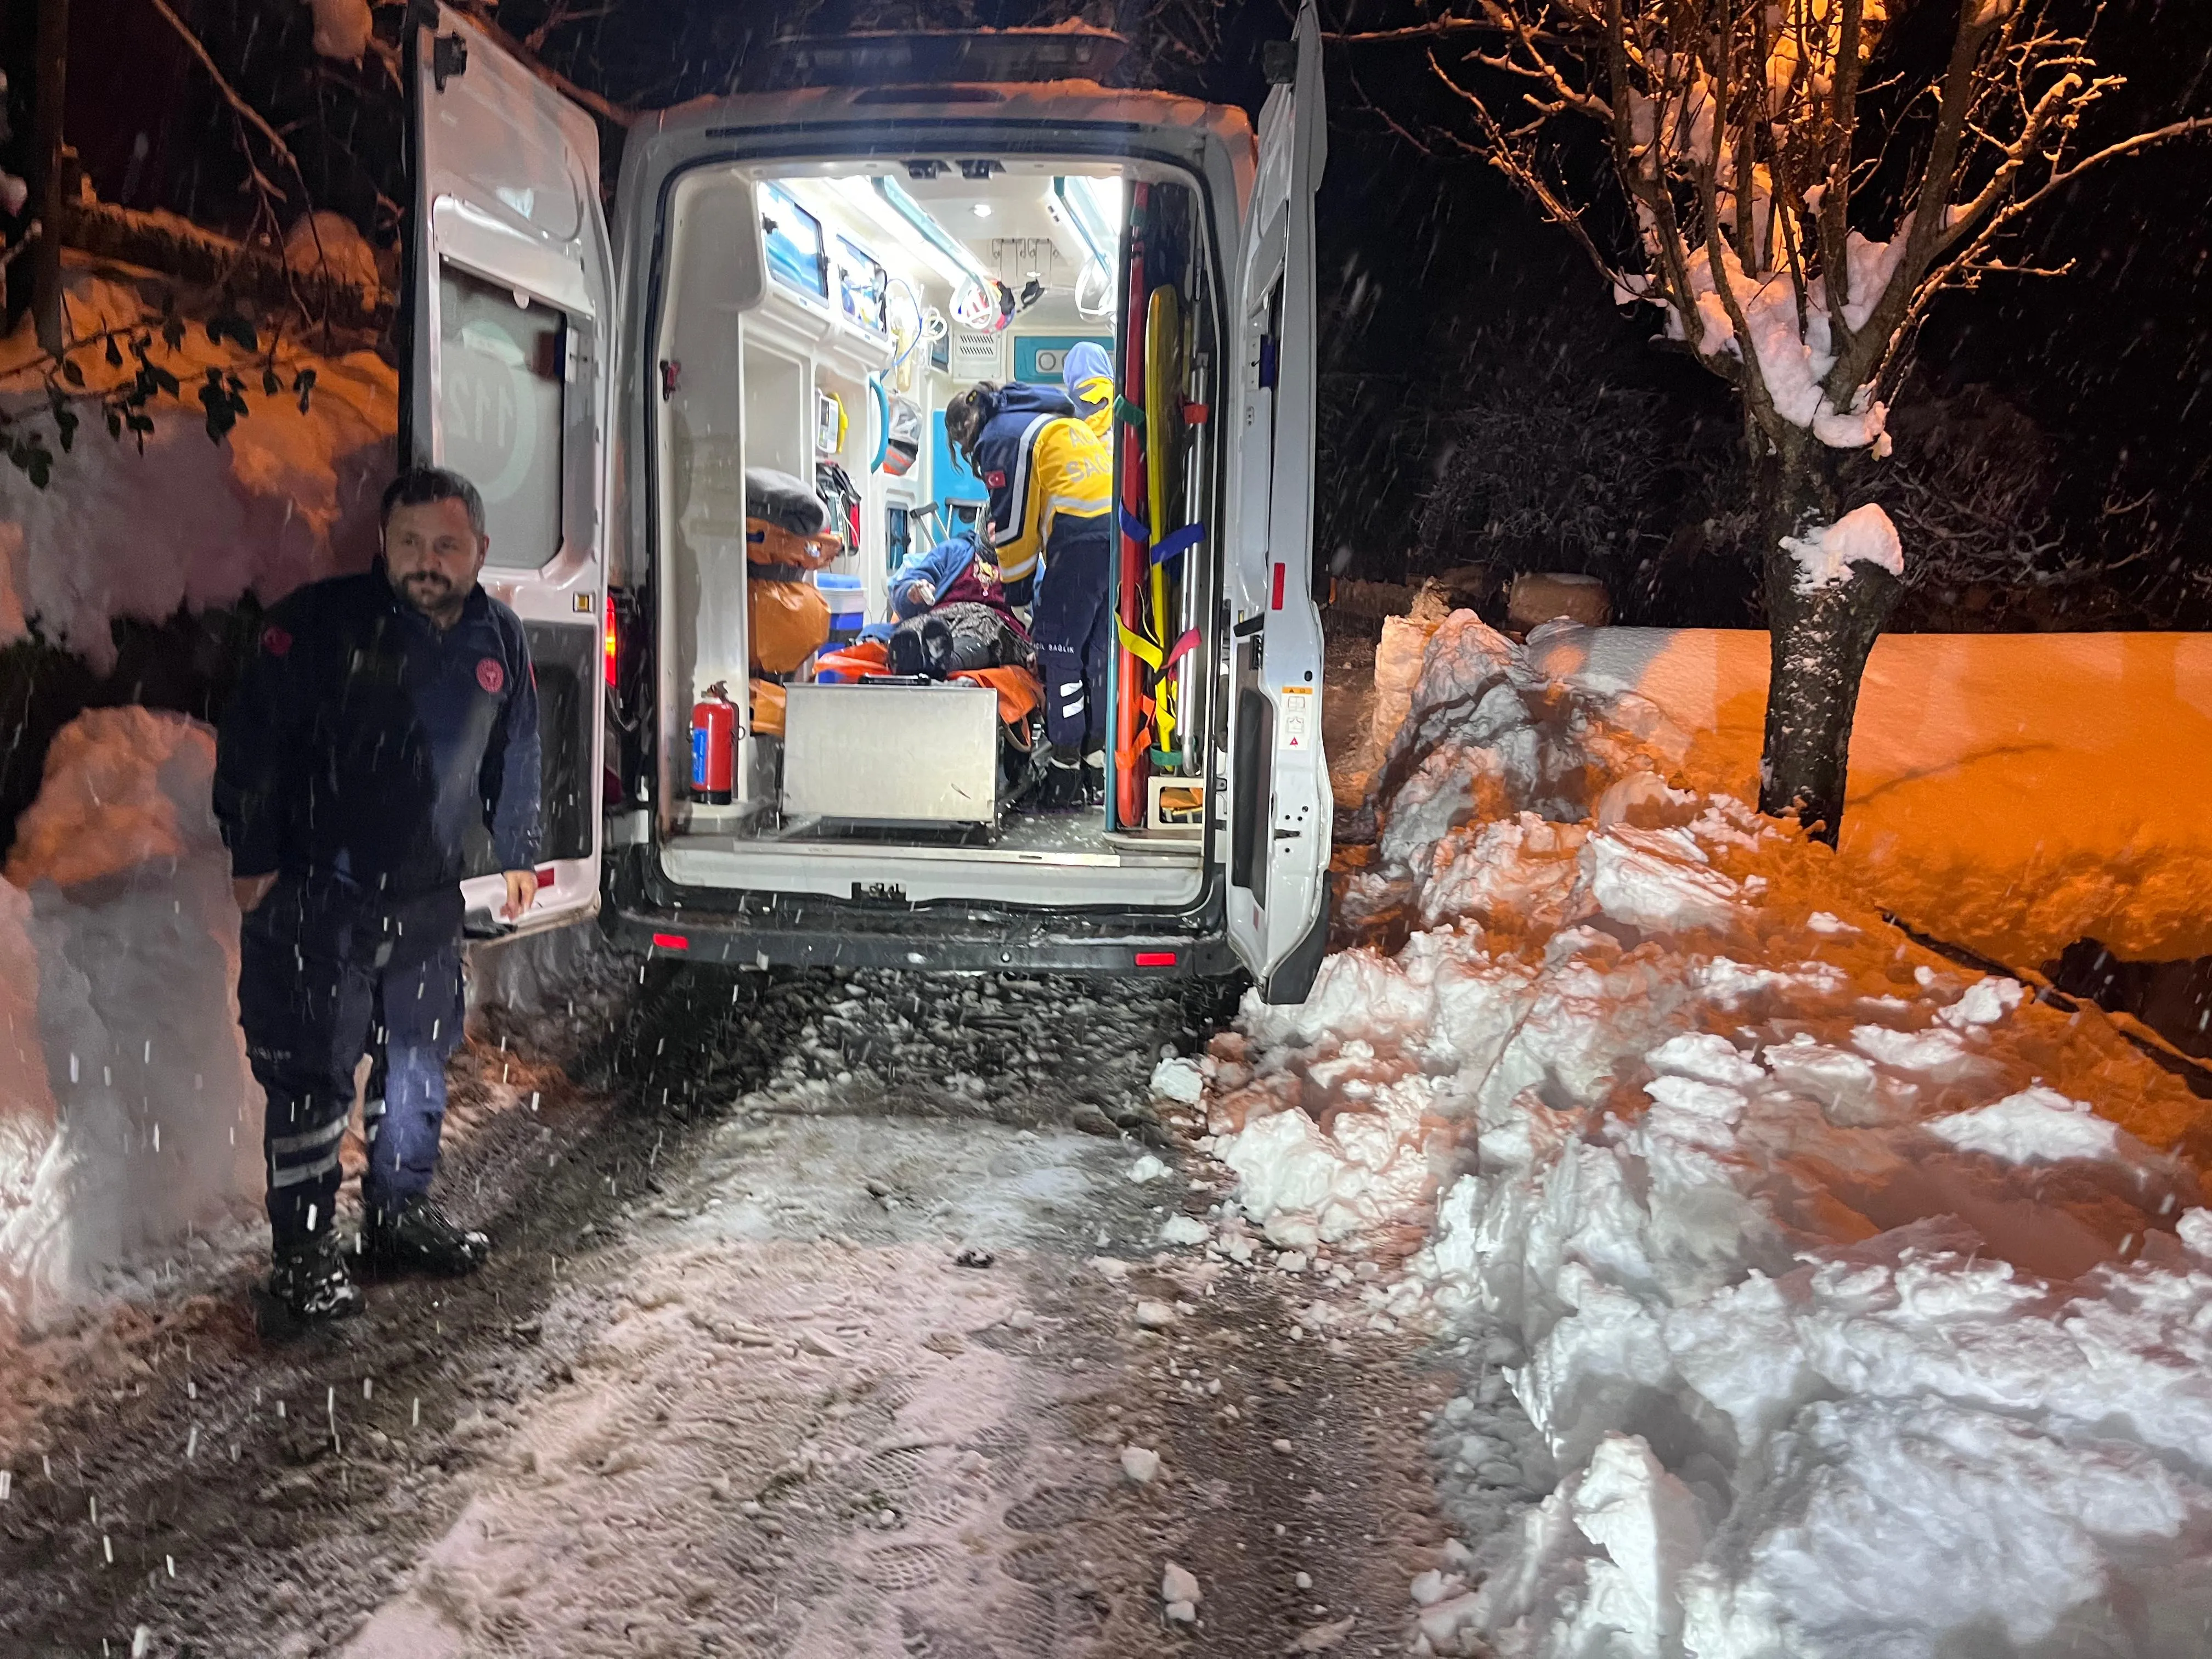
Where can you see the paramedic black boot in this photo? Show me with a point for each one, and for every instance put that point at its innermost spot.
(1065, 785)
(414, 1234)
(309, 1285)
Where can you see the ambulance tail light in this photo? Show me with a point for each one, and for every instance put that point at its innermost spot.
(607, 648)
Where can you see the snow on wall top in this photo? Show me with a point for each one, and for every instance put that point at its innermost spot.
(285, 499)
(2009, 792)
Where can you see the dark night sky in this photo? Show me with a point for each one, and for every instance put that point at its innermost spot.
(2110, 360)
(1440, 287)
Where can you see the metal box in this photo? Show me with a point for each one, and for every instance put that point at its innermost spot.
(891, 754)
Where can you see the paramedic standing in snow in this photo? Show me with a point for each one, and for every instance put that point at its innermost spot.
(388, 722)
(1051, 484)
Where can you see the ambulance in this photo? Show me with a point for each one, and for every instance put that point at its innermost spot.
(789, 284)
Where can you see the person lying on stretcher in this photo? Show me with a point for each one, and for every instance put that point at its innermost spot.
(956, 571)
(949, 616)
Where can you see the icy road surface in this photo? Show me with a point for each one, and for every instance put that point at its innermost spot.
(816, 1328)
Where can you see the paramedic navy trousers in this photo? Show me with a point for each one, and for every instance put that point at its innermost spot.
(1073, 628)
(325, 976)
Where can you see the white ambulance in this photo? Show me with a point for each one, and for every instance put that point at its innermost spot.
(797, 281)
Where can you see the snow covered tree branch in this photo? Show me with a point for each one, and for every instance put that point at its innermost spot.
(1798, 189)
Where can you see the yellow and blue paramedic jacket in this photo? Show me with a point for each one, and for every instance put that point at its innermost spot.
(1046, 470)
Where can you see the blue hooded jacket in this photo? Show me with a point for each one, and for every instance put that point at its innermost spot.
(1042, 465)
(1089, 376)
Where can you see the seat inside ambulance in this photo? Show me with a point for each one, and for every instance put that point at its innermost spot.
(804, 464)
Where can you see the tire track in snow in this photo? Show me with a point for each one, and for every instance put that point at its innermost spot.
(678, 1420)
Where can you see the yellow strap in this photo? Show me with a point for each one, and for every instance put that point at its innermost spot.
(1137, 646)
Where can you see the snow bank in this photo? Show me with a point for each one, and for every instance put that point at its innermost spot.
(285, 499)
(129, 1123)
(36, 1268)
(1814, 1298)
(2009, 792)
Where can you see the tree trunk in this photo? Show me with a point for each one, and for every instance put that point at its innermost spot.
(49, 92)
(1820, 639)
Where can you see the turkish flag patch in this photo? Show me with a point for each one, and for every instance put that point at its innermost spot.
(996, 480)
(275, 642)
(490, 675)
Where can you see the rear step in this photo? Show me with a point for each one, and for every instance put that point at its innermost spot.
(798, 930)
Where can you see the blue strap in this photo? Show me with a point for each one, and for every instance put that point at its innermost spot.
(1178, 543)
(1135, 528)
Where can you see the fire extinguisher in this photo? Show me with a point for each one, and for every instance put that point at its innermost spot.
(713, 744)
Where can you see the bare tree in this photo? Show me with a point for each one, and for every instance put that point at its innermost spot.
(1793, 205)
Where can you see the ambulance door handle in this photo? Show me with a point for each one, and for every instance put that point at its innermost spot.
(449, 57)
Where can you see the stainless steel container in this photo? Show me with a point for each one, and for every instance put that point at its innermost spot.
(891, 754)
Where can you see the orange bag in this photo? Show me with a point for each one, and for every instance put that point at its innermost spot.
(789, 623)
(771, 543)
(768, 709)
(1019, 692)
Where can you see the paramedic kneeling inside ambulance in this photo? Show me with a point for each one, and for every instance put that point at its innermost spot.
(386, 725)
(1051, 483)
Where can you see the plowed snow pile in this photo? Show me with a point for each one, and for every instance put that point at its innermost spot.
(129, 1124)
(1816, 1296)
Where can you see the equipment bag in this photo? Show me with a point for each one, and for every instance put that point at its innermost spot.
(789, 622)
(789, 503)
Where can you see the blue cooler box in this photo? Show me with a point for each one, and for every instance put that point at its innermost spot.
(847, 608)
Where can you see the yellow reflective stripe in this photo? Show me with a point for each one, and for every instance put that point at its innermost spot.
(1076, 507)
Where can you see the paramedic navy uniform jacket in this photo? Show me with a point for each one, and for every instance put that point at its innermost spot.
(365, 746)
(1047, 474)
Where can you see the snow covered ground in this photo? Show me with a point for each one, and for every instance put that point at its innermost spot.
(1813, 1296)
(852, 1347)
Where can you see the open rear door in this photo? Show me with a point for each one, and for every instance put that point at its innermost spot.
(1279, 806)
(511, 302)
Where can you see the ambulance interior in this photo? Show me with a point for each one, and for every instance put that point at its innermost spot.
(888, 286)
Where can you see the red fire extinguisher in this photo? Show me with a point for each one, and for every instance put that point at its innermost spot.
(713, 743)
